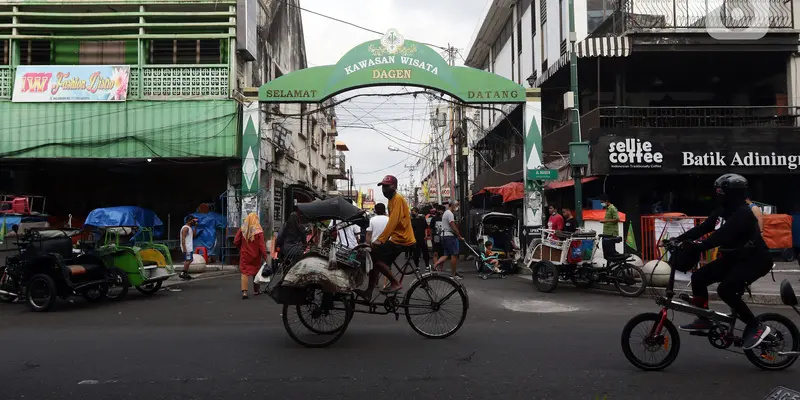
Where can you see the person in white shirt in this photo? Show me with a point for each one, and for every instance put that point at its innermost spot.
(377, 223)
(348, 236)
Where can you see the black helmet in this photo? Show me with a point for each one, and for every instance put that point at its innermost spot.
(731, 181)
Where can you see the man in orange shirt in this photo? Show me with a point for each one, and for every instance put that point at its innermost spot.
(397, 238)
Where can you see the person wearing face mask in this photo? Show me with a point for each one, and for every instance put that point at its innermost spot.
(397, 238)
(743, 257)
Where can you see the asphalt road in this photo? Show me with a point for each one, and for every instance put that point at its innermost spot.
(204, 342)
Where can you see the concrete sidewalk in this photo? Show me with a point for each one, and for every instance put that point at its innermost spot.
(212, 271)
(764, 290)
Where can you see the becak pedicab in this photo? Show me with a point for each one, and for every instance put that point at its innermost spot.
(125, 235)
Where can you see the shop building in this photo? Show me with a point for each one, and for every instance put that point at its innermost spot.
(436, 162)
(162, 127)
(667, 107)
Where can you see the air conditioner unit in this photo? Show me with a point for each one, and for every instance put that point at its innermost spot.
(441, 119)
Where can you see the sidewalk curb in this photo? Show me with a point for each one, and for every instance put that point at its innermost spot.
(201, 277)
(758, 298)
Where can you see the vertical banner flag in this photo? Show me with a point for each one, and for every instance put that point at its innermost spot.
(630, 241)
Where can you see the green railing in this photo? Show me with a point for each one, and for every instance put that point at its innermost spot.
(181, 81)
(5, 82)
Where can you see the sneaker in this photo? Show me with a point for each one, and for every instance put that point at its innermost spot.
(457, 276)
(699, 325)
(754, 335)
(185, 276)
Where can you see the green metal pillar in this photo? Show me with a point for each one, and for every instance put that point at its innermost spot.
(575, 114)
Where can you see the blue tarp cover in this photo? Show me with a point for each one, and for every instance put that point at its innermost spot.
(11, 220)
(125, 216)
(207, 225)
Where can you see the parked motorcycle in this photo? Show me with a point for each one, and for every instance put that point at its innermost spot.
(47, 267)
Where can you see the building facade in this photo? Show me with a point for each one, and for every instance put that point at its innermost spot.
(669, 96)
(139, 102)
(435, 167)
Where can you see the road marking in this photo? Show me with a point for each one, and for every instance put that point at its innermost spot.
(89, 382)
(787, 271)
(537, 306)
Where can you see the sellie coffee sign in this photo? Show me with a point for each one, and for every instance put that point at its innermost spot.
(641, 154)
(634, 153)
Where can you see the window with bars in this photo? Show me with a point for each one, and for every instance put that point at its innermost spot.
(533, 20)
(35, 52)
(519, 37)
(186, 52)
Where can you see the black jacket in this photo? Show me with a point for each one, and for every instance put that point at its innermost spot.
(418, 225)
(732, 230)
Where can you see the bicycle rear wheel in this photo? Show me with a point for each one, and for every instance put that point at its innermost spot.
(436, 299)
(654, 357)
(321, 321)
(783, 338)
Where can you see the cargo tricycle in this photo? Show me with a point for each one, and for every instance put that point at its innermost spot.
(562, 256)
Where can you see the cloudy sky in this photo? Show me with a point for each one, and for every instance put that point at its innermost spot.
(403, 120)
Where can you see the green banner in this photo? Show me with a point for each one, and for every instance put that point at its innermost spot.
(251, 146)
(391, 61)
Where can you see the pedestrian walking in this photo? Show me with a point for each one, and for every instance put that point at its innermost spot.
(436, 231)
(188, 233)
(450, 239)
(418, 225)
(252, 252)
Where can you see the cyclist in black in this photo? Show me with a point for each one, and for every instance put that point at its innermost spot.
(743, 259)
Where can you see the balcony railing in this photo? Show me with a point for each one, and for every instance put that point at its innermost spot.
(607, 119)
(337, 167)
(698, 117)
(687, 14)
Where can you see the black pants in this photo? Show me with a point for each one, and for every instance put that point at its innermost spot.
(421, 248)
(733, 272)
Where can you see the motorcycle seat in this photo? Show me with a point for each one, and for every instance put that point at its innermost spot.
(82, 269)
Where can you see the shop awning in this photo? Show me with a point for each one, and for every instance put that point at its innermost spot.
(510, 191)
(605, 46)
(571, 182)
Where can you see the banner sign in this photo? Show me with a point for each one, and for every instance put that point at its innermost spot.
(70, 83)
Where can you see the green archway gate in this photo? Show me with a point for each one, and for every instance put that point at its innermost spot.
(395, 61)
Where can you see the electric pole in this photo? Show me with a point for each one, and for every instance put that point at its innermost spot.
(576, 115)
(451, 53)
(411, 169)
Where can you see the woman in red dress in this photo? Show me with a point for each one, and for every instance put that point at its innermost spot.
(252, 252)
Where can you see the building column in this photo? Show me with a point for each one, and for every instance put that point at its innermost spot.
(251, 158)
(532, 116)
(793, 80)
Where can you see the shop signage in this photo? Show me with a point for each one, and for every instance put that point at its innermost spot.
(749, 150)
(741, 159)
(70, 83)
(633, 153)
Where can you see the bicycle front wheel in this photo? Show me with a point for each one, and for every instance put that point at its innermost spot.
(649, 350)
(436, 306)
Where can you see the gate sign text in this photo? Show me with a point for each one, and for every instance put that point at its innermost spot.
(633, 153)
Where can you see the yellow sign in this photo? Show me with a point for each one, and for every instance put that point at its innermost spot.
(391, 74)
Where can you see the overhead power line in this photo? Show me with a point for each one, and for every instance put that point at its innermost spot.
(352, 24)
